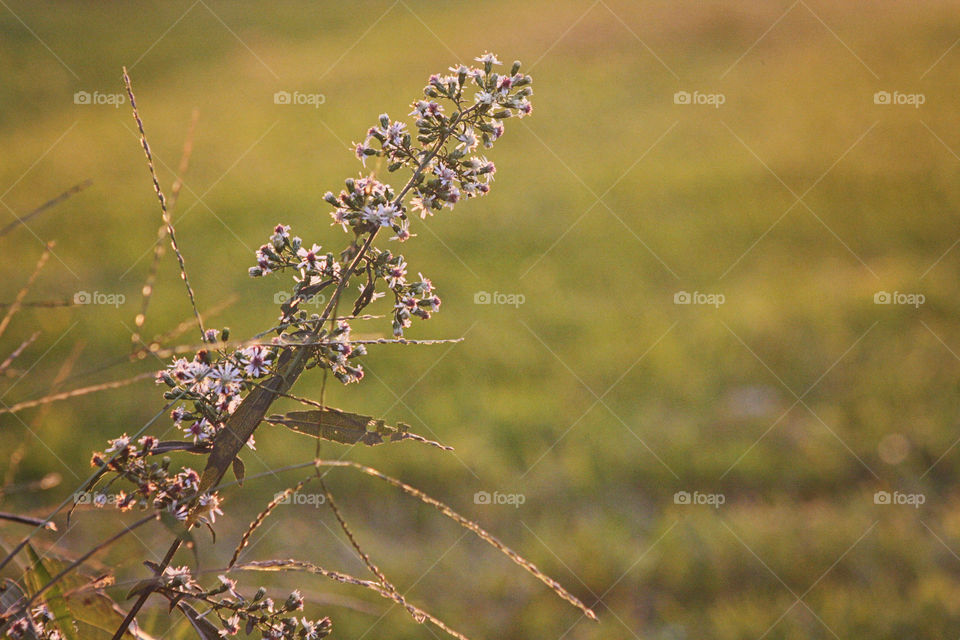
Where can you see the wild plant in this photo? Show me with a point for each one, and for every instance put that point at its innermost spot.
(219, 391)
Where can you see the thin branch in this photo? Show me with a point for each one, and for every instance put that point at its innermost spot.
(17, 455)
(374, 569)
(36, 522)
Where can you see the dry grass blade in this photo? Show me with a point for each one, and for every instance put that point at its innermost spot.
(345, 427)
(307, 567)
(374, 569)
(467, 524)
(163, 202)
(42, 304)
(49, 204)
(263, 515)
(17, 455)
(73, 393)
(12, 310)
(160, 248)
(16, 352)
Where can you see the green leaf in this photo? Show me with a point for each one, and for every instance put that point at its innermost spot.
(38, 576)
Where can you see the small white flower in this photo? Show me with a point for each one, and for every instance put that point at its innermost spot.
(468, 140)
(309, 257)
(483, 97)
(444, 173)
(231, 626)
(280, 234)
(208, 507)
(118, 444)
(422, 204)
(488, 57)
(257, 359)
(227, 378)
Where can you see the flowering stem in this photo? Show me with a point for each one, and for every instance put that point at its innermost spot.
(260, 399)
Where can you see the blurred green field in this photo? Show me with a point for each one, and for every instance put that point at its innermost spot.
(599, 398)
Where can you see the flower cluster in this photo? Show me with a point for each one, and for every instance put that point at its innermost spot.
(366, 205)
(37, 623)
(411, 297)
(443, 171)
(444, 175)
(210, 387)
(237, 613)
(154, 483)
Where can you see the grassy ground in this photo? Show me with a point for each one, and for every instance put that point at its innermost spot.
(598, 399)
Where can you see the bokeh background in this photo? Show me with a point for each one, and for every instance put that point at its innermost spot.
(798, 199)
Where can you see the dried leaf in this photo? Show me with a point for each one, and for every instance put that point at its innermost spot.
(239, 471)
(204, 628)
(346, 427)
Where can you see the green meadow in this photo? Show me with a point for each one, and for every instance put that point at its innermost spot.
(776, 459)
